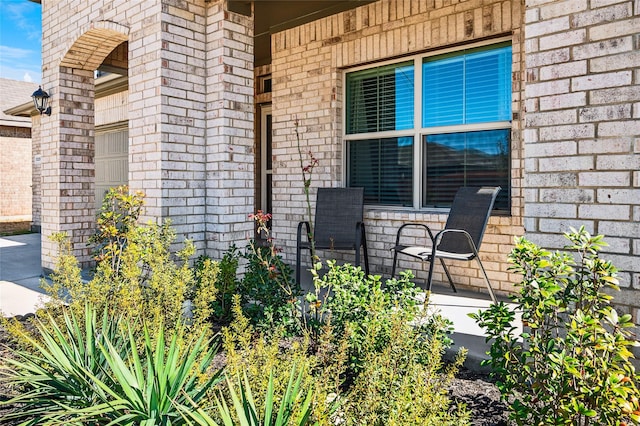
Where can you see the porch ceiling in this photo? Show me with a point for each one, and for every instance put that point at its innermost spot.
(272, 16)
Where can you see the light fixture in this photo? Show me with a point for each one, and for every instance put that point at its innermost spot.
(40, 100)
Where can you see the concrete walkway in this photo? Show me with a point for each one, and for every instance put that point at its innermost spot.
(21, 275)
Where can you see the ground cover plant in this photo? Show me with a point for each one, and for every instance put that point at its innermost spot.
(573, 363)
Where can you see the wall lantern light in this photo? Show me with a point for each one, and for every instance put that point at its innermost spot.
(41, 100)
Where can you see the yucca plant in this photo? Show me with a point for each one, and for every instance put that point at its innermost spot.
(52, 375)
(82, 374)
(295, 406)
(162, 387)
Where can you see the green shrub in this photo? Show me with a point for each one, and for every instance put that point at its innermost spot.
(226, 283)
(269, 292)
(572, 364)
(265, 365)
(91, 373)
(405, 382)
(118, 216)
(365, 307)
(387, 348)
(137, 275)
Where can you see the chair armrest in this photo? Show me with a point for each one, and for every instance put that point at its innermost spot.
(439, 235)
(411, 225)
(308, 228)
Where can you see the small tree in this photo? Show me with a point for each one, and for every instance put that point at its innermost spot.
(572, 364)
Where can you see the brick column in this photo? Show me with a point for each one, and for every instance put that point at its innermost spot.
(36, 177)
(68, 176)
(230, 134)
(582, 129)
(167, 116)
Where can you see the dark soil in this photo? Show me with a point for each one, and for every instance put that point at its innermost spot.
(481, 397)
(475, 389)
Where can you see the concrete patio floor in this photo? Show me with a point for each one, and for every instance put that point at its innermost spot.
(21, 275)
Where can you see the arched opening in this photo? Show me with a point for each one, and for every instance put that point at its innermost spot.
(87, 105)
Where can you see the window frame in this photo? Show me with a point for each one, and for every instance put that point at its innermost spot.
(418, 132)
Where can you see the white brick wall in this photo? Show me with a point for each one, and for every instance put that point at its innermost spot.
(582, 96)
(230, 137)
(190, 112)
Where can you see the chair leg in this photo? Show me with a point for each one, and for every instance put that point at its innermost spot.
(486, 278)
(432, 262)
(298, 250)
(395, 260)
(366, 256)
(446, 271)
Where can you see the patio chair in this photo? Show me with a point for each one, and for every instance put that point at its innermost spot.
(338, 225)
(461, 237)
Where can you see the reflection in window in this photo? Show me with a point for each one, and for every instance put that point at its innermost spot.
(384, 168)
(465, 159)
(466, 88)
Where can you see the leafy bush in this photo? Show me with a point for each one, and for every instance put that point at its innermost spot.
(226, 283)
(572, 364)
(269, 292)
(365, 307)
(91, 373)
(267, 363)
(118, 216)
(136, 275)
(405, 382)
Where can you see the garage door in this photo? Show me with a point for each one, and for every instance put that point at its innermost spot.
(112, 161)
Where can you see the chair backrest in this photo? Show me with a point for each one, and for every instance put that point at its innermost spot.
(338, 210)
(470, 211)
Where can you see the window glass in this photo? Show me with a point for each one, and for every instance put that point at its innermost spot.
(380, 99)
(465, 159)
(384, 168)
(466, 88)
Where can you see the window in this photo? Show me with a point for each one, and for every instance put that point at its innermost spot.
(415, 146)
(381, 99)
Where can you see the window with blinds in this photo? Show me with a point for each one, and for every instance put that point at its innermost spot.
(463, 100)
(466, 88)
(384, 167)
(380, 99)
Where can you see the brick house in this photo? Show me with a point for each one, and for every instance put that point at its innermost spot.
(407, 98)
(16, 158)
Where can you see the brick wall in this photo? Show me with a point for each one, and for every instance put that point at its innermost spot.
(308, 67)
(15, 179)
(582, 141)
(36, 178)
(230, 136)
(76, 39)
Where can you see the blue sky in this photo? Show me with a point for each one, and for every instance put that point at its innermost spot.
(20, 40)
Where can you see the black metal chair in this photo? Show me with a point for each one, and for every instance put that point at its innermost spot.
(338, 225)
(461, 237)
